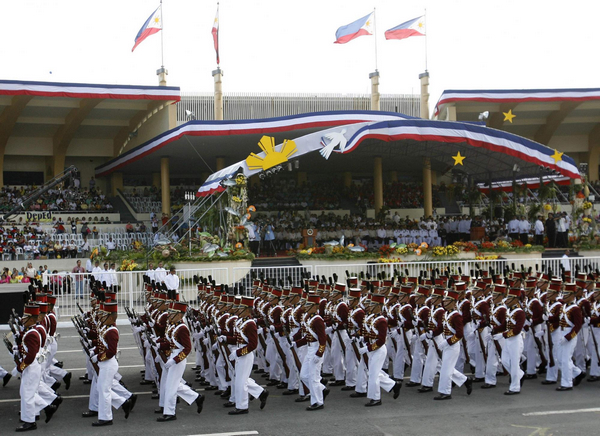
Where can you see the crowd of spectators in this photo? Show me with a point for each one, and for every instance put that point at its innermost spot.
(69, 199)
(286, 194)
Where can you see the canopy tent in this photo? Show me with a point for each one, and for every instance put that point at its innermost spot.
(489, 154)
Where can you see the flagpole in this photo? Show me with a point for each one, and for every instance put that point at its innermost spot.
(375, 34)
(162, 25)
(426, 25)
(219, 24)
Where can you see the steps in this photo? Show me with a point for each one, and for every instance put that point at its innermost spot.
(120, 207)
(277, 269)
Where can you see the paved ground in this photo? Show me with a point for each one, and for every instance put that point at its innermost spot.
(483, 413)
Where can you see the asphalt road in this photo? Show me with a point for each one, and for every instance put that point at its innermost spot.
(489, 412)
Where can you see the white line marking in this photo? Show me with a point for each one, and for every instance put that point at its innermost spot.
(562, 412)
(233, 433)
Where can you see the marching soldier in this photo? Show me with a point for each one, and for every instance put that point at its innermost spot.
(552, 317)
(314, 337)
(513, 341)
(570, 325)
(495, 339)
(178, 345)
(375, 338)
(449, 344)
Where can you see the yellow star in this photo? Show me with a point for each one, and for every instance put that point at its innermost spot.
(156, 20)
(458, 159)
(367, 24)
(420, 24)
(557, 156)
(508, 116)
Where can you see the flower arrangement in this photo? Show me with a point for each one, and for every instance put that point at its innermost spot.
(587, 205)
(587, 220)
(452, 250)
(386, 260)
(547, 207)
(240, 179)
(385, 250)
(488, 245)
(491, 257)
(516, 243)
(128, 265)
(469, 246)
(439, 251)
(412, 246)
(402, 250)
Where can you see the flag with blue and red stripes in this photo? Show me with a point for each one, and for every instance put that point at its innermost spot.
(152, 25)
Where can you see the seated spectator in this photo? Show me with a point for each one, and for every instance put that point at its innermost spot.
(129, 228)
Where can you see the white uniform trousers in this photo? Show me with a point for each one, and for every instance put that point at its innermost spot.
(3, 372)
(580, 352)
(273, 359)
(106, 375)
(220, 367)
(594, 351)
(552, 371)
(377, 378)
(30, 381)
(432, 366)
(46, 392)
(327, 358)
(301, 352)
(337, 357)
(493, 360)
(362, 377)
(350, 360)
(116, 400)
(511, 359)
(567, 368)
(448, 372)
(242, 383)
(402, 353)
(471, 340)
(176, 388)
(479, 357)
(530, 352)
(418, 362)
(311, 374)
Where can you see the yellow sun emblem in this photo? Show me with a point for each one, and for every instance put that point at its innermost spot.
(272, 157)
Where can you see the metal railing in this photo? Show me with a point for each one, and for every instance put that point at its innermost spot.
(275, 274)
(73, 288)
(245, 106)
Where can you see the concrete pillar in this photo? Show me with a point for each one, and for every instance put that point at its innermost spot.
(1, 170)
(218, 75)
(116, 182)
(374, 90)
(302, 178)
(424, 78)
(220, 163)
(378, 183)
(162, 76)
(165, 185)
(451, 113)
(427, 197)
(58, 164)
(156, 179)
(347, 179)
(393, 176)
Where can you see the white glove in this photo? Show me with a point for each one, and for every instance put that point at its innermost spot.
(146, 344)
(206, 341)
(223, 338)
(328, 330)
(415, 322)
(497, 336)
(539, 334)
(94, 358)
(363, 350)
(586, 321)
(260, 331)
(429, 334)
(169, 363)
(293, 344)
(214, 346)
(15, 349)
(423, 337)
(157, 359)
(355, 340)
(545, 317)
(317, 360)
(562, 341)
(335, 326)
(233, 356)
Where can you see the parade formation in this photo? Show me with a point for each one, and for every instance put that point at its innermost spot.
(361, 335)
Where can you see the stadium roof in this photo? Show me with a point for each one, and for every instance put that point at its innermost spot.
(63, 112)
(543, 115)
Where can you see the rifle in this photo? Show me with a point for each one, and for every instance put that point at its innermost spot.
(228, 364)
(9, 345)
(79, 307)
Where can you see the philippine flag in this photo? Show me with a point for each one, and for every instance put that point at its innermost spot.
(414, 27)
(152, 25)
(215, 34)
(360, 27)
